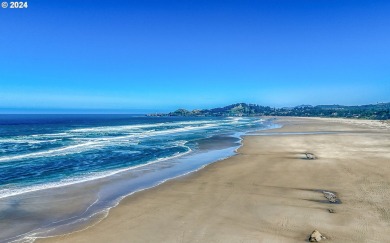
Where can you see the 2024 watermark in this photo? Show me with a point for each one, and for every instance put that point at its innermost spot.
(17, 5)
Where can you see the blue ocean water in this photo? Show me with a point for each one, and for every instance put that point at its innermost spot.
(39, 153)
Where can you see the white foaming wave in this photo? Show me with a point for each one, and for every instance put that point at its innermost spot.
(235, 119)
(29, 141)
(59, 151)
(136, 127)
(176, 130)
(50, 134)
(94, 143)
(39, 138)
(114, 128)
(85, 178)
(152, 133)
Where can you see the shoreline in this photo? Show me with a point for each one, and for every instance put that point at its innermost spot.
(100, 175)
(132, 202)
(85, 219)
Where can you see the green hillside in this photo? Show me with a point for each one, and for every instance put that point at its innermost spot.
(380, 111)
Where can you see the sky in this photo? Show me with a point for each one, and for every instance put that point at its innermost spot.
(160, 55)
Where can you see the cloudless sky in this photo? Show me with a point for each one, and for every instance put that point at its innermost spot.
(159, 55)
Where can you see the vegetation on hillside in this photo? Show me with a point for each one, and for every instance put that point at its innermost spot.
(380, 111)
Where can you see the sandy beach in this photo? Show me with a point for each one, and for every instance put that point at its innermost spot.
(269, 192)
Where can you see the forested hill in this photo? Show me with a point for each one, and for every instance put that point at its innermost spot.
(380, 111)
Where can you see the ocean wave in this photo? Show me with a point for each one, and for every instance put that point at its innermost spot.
(76, 133)
(52, 152)
(8, 192)
(136, 127)
(27, 141)
(107, 130)
(94, 143)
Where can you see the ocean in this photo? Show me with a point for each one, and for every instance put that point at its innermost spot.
(60, 173)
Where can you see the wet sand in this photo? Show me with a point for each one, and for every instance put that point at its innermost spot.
(268, 192)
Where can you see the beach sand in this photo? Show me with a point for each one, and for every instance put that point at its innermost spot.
(268, 192)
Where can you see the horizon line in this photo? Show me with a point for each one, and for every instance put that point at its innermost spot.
(130, 111)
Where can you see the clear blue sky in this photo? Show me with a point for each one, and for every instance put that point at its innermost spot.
(69, 55)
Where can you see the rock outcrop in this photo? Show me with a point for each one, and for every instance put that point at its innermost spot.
(316, 236)
(330, 196)
(310, 156)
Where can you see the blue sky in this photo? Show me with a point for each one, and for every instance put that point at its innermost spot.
(131, 56)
